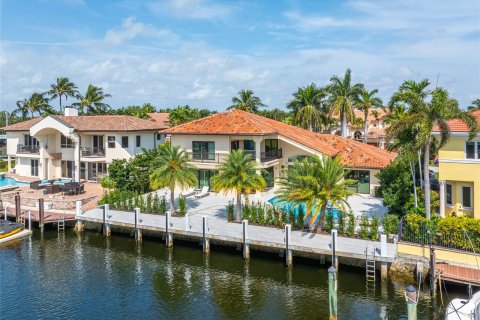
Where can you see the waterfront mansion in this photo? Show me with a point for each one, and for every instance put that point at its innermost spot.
(78, 147)
(273, 145)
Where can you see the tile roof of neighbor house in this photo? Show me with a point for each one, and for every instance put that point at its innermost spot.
(237, 122)
(457, 125)
(371, 117)
(107, 123)
(161, 118)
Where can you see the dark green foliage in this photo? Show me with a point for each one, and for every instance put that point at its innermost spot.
(351, 225)
(230, 211)
(163, 205)
(374, 228)
(300, 217)
(329, 222)
(291, 217)
(390, 224)
(136, 111)
(364, 232)
(118, 199)
(149, 204)
(341, 223)
(156, 204)
(183, 114)
(182, 205)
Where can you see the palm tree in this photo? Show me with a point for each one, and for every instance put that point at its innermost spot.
(317, 182)
(36, 103)
(63, 87)
(420, 88)
(306, 106)
(366, 101)
(238, 173)
(247, 102)
(343, 97)
(475, 105)
(424, 116)
(92, 100)
(172, 170)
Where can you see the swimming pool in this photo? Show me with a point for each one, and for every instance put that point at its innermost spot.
(6, 181)
(288, 207)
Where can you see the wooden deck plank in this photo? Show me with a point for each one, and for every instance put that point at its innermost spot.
(458, 274)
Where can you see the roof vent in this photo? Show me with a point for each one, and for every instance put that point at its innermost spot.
(71, 112)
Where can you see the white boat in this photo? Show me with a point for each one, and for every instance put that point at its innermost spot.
(464, 309)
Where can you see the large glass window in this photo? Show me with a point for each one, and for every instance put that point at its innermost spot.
(125, 142)
(30, 141)
(268, 175)
(203, 178)
(271, 145)
(448, 194)
(203, 150)
(235, 145)
(249, 145)
(470, 150)
(34, 167)
(362, 181)
(111, 141)
(66, 142)
(67, 169)
(138, 141)
(466, 197)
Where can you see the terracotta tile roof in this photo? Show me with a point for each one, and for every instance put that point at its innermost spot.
(160, 118)
(371, 118)
(107, 123)
(22, 126)
(457, 125)
(237, 122)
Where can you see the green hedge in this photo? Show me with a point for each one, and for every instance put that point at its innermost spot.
(129, 200)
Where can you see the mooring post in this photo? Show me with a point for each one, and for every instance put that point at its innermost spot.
(29, 220)
(17, 207)
(41, 215)
(106, 212)
(246, 242)
(168, 234)
(78, 213)
(5, 214)
(288, 250)
(383, 255)
(433, 278)
(187, 221)
(332, 292)
(137, 231)
(206, 242)
(412, 300)
(334, 249)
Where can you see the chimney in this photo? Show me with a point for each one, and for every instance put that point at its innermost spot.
(70, 112)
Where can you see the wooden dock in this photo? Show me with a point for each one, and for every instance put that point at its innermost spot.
(49, 217)
(458, 274)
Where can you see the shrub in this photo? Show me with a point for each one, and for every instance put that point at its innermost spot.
(291, 217)
(156, 204)
(364, 228)
(351, 225)
(230, 211)
(301, 217)
(390, 224)
(149, 204)
(163, 205)
(374, 228)
(182, 205)
(329, 221)
(341, 223)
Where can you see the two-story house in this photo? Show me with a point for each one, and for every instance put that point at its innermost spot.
(274, 145)
(77, 147)
(459, 171)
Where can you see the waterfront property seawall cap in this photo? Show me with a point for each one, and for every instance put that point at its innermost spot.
(332, 269)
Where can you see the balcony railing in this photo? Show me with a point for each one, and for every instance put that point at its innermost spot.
(206, 157)
(271, 155)
(93, 152)
(28, 149)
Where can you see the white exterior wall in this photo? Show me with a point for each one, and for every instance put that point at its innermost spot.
(14, 138)
(147, 141)
(222, 143)
(22, 166)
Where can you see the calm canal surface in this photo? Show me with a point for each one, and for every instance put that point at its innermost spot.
(69, 276)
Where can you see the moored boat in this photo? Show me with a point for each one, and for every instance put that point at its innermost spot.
(8, 228)
(464, 309)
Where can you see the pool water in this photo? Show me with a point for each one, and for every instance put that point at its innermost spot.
(6, 181)
(289, 207)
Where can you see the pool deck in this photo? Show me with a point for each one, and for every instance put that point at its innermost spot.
(219, 229)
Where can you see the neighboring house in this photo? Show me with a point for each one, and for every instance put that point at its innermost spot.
(78, 147)
(459, 172)
(376, 128)
(274, 145)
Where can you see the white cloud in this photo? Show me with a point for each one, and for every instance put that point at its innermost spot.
(192, 9)
(131, 29)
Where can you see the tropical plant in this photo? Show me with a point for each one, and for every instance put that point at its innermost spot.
(475, 105)
(62, 88)
(182, 205)
(238, 173)
(184, 114)
(368, 100)
(136, 111)
(351, 224)
(374, 224)
(276, 114)
(92, 101)
(37, 103)
(364, 231)
(317, 182)
(343, 97)
(308, 109)
(246, 102)
(172, 169)
(390, 224)
(230, 211)
(424, 116)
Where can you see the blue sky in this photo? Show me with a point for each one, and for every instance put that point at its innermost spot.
(202, 52)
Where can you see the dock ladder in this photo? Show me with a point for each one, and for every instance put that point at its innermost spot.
(61, 224)
(370, 265)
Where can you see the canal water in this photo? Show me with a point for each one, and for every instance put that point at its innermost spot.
(70, 276)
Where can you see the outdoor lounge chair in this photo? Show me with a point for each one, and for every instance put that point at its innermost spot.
(187, 193)
(44, 183)
(202, 193)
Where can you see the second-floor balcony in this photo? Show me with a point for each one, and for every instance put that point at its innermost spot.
(209, 157)
(93, 152)
(270, 155)
(28, 149)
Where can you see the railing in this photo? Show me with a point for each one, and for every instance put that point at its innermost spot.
(427, 234)
(271, 155)
(31, 149)
(205, 157)
(93, 152)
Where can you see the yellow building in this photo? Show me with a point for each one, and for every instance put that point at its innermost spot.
(459, 172)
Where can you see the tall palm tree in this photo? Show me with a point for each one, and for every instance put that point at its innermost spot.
(92, 100)
(246, 102)
(424, 116)
(475, 105)
(308, 108)
(317, 182)
(367, 100)
(62, 88)
(343, 96)
(37, 103)
(172, 170)
(420, 88)
(238, 173)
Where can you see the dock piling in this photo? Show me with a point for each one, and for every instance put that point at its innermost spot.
(78, 212)
(246, 243)
(383, 255)
(332, 292)
(187, 221)
(334, 249)
(412, 300)
(29, 220)
(17, 207)
(41, 214)
(206, 242)
(433, 278)
(107, 231)
(137, 231)
(5, 214)
(288, 251)
(168, 234)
